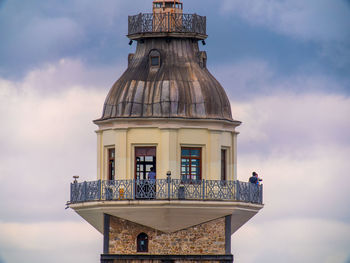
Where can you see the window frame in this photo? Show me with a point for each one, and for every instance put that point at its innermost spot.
(223, 170)
(145, 238)
(111, 164)
(184, 178)
(151, 61)
(144, 162)
(152, 55)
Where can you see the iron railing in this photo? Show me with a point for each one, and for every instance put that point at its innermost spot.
(167, 23)
(166, 189)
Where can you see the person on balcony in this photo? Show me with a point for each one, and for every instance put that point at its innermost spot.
(152, 183)
(254, 179)
(152, 175)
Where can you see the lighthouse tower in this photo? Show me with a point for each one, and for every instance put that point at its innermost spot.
(166, 187)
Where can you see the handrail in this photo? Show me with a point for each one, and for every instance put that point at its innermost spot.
(164, 189)
(166, 23)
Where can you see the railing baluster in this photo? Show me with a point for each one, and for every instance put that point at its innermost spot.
(203, 189)
(71, 193)
(84, 191)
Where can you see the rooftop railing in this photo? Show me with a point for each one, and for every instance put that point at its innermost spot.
(166, 189)
(167, 23)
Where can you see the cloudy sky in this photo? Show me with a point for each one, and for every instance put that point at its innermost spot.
(285, 65)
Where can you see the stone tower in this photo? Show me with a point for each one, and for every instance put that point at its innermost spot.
(166, 188)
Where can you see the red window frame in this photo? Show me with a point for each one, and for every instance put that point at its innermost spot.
(223, 164)
(188, 175)
(144, 151)
(111, 164)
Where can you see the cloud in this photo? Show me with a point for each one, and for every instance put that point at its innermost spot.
(46, 242)
(37, 33)
(49, 137)
(320, 20)
(67, 73)
(253, 78)
(298, 141)
(292, 240)
(299, 144)
(323, 22)
(287, 120)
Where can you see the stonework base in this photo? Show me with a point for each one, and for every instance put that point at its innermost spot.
(205, 239)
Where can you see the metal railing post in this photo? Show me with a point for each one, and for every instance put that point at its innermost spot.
(133, 189)
(168, 178)
(169, 22)
(71, 192)
(99, 189)
(203, 189)
(236, 188)
(85, 191)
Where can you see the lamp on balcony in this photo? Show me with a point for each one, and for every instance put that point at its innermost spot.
(76, 177)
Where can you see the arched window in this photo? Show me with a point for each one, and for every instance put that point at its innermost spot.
(154, 57)
(142, 243)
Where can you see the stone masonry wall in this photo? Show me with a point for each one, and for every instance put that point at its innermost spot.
(205, 239)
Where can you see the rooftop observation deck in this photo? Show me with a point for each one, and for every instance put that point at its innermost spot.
(167, 25)
(166, 189)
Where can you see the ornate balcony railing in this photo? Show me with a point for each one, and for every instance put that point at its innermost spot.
(166, 189)
(167, 23)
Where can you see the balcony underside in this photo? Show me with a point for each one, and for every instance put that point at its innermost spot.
(167, 216)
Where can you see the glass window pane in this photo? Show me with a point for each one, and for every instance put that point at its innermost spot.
(195, 153)
(149, 158)
(195, 162)
(185, 152)
(185, 162)
(155, 61)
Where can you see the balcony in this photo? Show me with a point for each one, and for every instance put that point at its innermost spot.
(167, 24)
(166, 189)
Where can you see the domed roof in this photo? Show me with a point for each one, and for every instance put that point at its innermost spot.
(167, 79)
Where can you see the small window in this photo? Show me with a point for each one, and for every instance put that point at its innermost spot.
(191, 161)
(169, 5)
(223, 164)
(142, 243)
(155, 61)
(154, 58)
(158, 5)
(111, 164)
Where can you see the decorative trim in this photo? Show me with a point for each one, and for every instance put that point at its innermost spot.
(221, 258)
